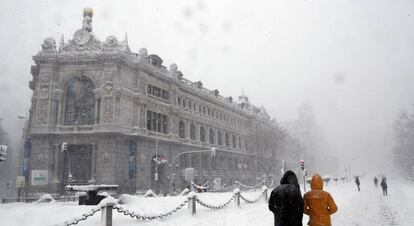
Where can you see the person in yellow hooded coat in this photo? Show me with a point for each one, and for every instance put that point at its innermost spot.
(318, 204)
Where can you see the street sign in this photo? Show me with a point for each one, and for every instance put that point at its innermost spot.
(39, 177)
(20, 181)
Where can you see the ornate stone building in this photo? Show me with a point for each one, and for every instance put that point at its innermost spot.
(115, 109)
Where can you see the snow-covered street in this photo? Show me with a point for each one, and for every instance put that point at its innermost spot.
(364, 208)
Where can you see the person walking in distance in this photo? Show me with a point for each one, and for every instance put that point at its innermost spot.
(357, 182)
(376, 181)
(384, 186)
(318, 204)
(286, 201)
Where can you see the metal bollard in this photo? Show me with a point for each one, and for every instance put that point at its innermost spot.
(106, 214)
(192, 205)
(265, 194)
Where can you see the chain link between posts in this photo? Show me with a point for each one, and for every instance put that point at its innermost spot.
(84, 216)
(132, 214)
(215, 207)
(251, 201)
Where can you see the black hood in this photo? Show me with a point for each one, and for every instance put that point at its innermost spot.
(289, 177)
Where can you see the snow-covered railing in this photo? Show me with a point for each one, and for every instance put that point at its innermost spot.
(109, 204)
(250, 187)
(83, 217)
(141, 216)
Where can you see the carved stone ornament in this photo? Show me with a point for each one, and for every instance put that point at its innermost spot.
(43, 108)
(45, 78)
(108, 90)
(49, 44)
(106, 156)
(173, 68)
(81, 37)
(44, 92)
(111, 41)
(107, 109)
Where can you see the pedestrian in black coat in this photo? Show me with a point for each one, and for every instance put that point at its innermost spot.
(286, 201)
(384, 186)
(357, 183)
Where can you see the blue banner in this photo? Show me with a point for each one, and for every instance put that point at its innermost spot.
(26, 157)
(131, 161)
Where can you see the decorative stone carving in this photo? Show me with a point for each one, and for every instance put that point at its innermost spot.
(173, 68)
(45, 78)
(111, 41)
(109, 76)
(107, 109)
(143, 53)
(87, 19)
(44, 92)
(108, 90)
(42, 111)
(49, 44)
(106, 156)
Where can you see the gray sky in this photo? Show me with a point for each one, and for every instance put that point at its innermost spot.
(352, 59)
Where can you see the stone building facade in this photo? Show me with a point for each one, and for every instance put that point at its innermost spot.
(116, 109)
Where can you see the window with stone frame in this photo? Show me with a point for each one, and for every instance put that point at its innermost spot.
(192, 132)
(233, 139)
(79, 102)
(227, 139)
(239, 139)
(202, 134)
(219, 138)
(211, 136)
(181, 129)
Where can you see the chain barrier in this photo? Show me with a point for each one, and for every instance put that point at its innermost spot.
(215, 207)
(251, 201)
(83, 217)
(141, 217)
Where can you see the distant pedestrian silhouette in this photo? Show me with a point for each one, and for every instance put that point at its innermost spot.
(357, 183)
(384, 186)
(376, 181)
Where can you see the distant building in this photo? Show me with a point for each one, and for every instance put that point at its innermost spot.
(308, 133)
(115, 109)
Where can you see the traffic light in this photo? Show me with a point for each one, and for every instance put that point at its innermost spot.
(3, 152)
(64, 147)
(302, 164)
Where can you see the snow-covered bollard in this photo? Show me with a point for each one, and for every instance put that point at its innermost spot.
(150, 193)
(265, 192)
(192, 196)
(237, 195)
(185, 192)
(106, 214)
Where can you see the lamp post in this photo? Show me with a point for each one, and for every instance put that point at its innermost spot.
(24, 157)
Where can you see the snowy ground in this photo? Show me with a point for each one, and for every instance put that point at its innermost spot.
(364, 208)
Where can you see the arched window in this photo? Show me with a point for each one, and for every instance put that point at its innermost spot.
(227, 140)
(192, 132)
(219, 138)
(181, 129)
(233, 139)
(211, 136)
(202, 134)
(80, 102)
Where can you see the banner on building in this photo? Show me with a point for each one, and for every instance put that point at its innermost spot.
(39, 177)
(26, 157)
(132, 160)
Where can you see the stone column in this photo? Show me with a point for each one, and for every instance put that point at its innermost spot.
(93, 167)
(55, 165)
